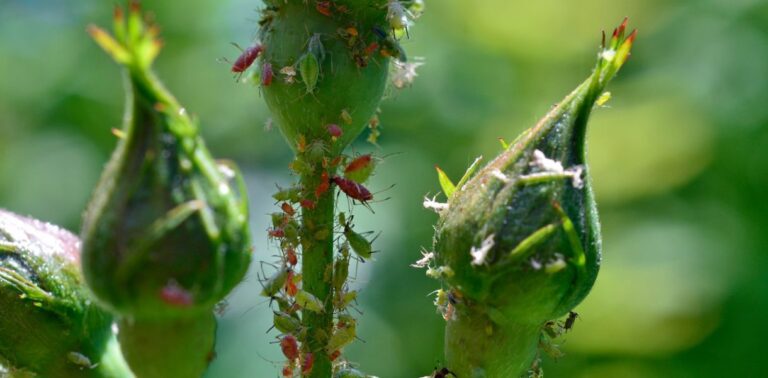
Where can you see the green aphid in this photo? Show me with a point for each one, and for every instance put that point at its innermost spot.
(340, 273)
(309, 69)
(344, 299)
(292, 195)
(360, 245)
(286, 323)
(342, 337)
(308, 301)
(273, 284)
(278, 219)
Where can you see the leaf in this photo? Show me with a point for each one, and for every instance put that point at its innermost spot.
(445, 182)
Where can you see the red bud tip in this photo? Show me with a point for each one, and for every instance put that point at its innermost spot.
(118, 13)
(623, 25)
(135, 6)
(631, 37)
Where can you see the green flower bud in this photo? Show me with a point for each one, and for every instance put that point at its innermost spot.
(341, 70)
(522, 237)
(166, 232)
(49, 326)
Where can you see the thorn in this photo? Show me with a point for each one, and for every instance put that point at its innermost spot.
(120, 134)
(603, 43)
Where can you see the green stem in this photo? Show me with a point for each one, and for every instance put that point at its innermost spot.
(317, 271)
(112, 364)
(169, 348)
(477, 347)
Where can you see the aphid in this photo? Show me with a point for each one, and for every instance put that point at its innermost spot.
(360, 169)
(398, 16)
(371, 48)
(307, 204)
(342, 337)
(324, 8)
(175, 295)
(80, 359)
(306, 363)
(266, 74)
(276, 233)
(360, 245)
(334, 130)
(290, 285)
(346, 117)
(340, 273)
(323, 186)
(569, 321)
(288, 371)
(352, 189)
(290, 257)
(309, 69)
(333, 356)
(273, 284)
(290, 347)
(308, 301)
(247, 58)
(292, 195)
(287, 208)
(285, 323)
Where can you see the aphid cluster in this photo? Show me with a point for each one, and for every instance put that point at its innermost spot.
(284, 285)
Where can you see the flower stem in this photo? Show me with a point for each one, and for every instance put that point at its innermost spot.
(476, 346)
(317, 271)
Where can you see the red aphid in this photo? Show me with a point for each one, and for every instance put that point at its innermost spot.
(277, 233)
(324, 7)
(288, 371)
(359, 163)
(290, 257)
(306, 363)
(371, 48)
(288, 209)
(307, 204)
(353, 189)
(247, 58)
(290, 347)
(334, 130)
(175, 295)
(266, 74)
(290, 287)
(323, 186)
(333, 356)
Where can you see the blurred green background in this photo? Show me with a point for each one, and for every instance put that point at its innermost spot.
(679, 157)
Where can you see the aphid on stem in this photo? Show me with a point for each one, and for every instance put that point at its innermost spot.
(352, 189)
(247, 58)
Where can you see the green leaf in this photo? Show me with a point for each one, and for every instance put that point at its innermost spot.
(445, 182)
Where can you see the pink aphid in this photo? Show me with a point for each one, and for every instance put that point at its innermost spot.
(334, 130)
(290, 347)
(247, 58)
(266, 74)
(307, 363)
(175, 295)
(353, 189)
